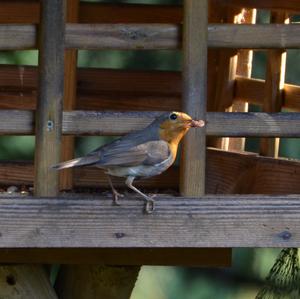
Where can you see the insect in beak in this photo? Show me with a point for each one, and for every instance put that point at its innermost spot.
(197, 123)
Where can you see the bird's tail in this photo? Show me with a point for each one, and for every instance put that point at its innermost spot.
(88, 160)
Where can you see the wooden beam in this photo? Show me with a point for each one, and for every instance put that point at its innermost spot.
(193, 257)
(223, 169)
(69, 101)
(244, 68)
(275, 77)
(25, 281)
(25, 12)
(105, 89)
(192, 182)
(129, 13)
(96, 281)
(50, 97)
(14, 122)
(155, 36)
(211, 221)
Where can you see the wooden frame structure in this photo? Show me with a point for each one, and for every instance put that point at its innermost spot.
(52, 228)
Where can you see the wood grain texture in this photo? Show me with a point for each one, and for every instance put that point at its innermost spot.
(129, 13)
(194, 257)
(119, 123)
(244, 68)
(156, 36)
(50, 97)
(275, 77)
(26, 282)
(94, 281)
(24, 12)
(123, 36)
(69, 101)
(192, 167)
(226, 173)
(211, 221)
(105, 89)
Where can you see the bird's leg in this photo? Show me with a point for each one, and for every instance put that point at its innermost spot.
(115, 193)
(149, 201)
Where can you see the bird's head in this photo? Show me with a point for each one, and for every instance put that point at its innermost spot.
(174, 125)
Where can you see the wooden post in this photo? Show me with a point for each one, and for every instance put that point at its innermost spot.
(275, 75)
(244, 68)
(26, 282)
(50, 97)
(31, 281)
(194, 95)
(70, 84)
(87, 281)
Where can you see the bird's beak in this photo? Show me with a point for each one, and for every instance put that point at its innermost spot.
(197, 123)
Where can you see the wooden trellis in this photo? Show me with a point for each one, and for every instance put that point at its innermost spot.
(71, 229)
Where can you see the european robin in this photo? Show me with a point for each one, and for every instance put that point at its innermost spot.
(141, 154)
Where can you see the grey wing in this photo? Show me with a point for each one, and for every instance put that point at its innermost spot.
(149, 153)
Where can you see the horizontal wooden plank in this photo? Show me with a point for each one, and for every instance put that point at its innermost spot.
(78, 122)
(155, 36)
(223, 169)
(252, 91)
(25, 12)
(210, 221)
(106, 89)
(193, 257)
(97, 89)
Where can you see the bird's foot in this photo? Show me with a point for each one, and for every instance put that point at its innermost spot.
(150, 205)
(116, 196)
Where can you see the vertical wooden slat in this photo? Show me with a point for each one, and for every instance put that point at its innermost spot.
(275, 74)
(194, 95)
(224, 81)
(244, 68)
(70, 83)
(50, 97)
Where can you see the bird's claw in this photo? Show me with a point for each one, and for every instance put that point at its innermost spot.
(116, 196)
(150, 206)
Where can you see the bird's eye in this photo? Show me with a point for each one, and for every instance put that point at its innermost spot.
(173, 116)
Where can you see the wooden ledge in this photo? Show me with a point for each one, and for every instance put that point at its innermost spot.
(155, 36)
(91, 222)
(79, 122)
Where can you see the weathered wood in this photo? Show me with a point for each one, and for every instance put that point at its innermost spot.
(123, 36)
(26, 282)
(225, 124)
(24, 12)
(129, 13)
(94, 281)
(211, 221)
(69, 101)
(156, 36)
(192, 167)
(275, 76)
(244, 68)
(50, 97)
(103, 89)
(201, 257)
(223, 169)
(225, 71)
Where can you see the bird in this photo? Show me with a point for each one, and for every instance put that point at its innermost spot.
(141, 154)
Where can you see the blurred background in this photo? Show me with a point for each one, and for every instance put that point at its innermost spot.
(250, 266)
